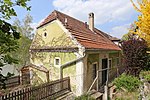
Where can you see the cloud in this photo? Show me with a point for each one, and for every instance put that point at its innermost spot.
(119, 31)
(104, 10)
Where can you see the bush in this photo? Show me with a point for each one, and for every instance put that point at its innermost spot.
(84, 97)
(148, 62)
(145, 75)
(135, 56)
(128, 82)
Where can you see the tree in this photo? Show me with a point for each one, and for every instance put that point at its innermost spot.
(8, 34)
(129, 35)
(25, 41)
(143, 22)
(135, 56)
(24, 26)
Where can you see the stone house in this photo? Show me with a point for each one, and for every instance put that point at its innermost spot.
(69, 47)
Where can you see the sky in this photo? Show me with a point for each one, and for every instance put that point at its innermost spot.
(111, 16)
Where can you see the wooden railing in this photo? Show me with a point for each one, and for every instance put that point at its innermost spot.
(112, 73)
(45, 91)
(12, 82)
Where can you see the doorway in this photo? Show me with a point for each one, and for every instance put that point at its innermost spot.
(104, 73)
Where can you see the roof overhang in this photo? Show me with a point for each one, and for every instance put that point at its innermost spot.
(97, 50)
(55, 50)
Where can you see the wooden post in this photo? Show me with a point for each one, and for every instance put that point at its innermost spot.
(69, 84)
(61, 73)
(97, 80)
(20, 78)
(47, 75)
(105, 96)
(106, 86)
(61, 77)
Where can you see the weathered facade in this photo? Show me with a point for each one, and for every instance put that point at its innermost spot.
(69, 47)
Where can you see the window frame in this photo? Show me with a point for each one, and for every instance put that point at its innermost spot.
(110, 65)
(59, 64)
(94, 76)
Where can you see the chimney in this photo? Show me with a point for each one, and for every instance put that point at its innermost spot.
(91, 21)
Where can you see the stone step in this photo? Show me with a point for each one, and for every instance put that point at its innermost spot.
(96, 95)
(67, 96)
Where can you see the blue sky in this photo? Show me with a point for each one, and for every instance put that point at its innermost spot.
(111, 16)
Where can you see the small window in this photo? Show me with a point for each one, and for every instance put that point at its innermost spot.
(57, 61)
(45, 34)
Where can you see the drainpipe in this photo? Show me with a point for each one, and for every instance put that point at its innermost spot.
(67, 64)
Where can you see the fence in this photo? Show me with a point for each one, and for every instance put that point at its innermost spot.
(45, 91)
(12, 82)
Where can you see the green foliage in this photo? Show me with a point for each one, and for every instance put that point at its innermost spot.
(7, 7)
(145, 75)
(8, 34)
(84, 97)
(26, 30)
(128, 82)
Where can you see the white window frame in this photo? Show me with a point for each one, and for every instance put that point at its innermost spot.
(59, 61)
(109, 63)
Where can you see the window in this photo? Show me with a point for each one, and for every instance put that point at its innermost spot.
(57, 61)
(110, 63)
(45, 34)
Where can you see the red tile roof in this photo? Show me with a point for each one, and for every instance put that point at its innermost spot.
(80, 31)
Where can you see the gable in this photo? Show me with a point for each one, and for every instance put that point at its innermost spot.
(81, 33)
(52, 36)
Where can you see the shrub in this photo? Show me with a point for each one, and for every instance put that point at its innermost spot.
(148, 62)
(128, 82)
(135, 56)
(84, 97)
(145, 75)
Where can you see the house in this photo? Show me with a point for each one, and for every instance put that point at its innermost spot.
(69, 47)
